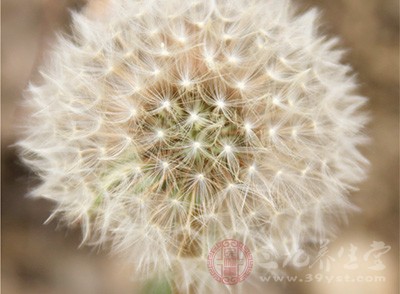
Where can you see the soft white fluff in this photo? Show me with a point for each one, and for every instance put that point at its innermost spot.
(171, 125)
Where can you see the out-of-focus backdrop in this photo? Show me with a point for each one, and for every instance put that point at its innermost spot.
(45, 259)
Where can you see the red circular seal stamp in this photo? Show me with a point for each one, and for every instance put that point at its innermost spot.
(230, 262)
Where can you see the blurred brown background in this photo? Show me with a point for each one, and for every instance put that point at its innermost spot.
(45, 259)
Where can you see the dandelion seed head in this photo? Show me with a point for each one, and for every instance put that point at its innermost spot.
(248, 127)
(166, 104)
(200, 177)
(170, 124)
(156, 72)
(186, 82)
(160, 134)
(227, 148)
(241, 85)
(194, 117)
(165, 164)
(196, 145)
